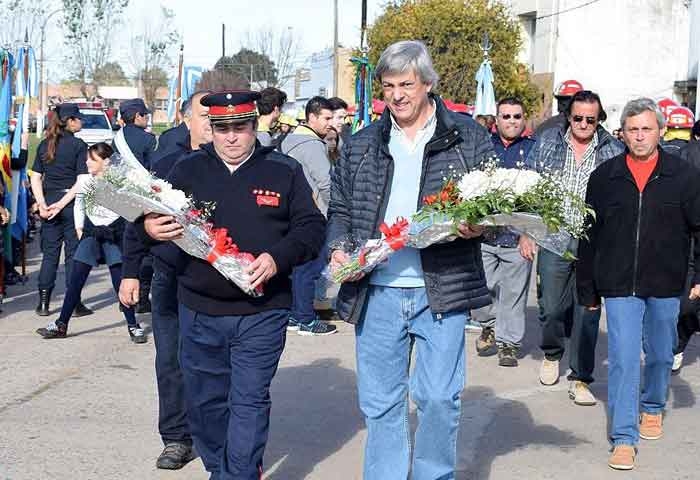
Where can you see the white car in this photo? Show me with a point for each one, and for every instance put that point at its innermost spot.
(96, 127)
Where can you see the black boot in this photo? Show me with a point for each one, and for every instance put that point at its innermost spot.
(44, 299)
(81, 310)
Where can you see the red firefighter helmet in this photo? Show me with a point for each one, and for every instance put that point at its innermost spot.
(568, 88)
(666, 105)
(680, 117)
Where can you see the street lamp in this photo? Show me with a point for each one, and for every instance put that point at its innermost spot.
(42, 84)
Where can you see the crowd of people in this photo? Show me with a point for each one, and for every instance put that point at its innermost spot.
(306, 189)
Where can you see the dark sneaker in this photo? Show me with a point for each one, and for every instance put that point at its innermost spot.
(175, 456)
(293, 325)
(507, 356)
(486, 343)
(81, 310)
(316, 328)
(137, 334)
(53, 330)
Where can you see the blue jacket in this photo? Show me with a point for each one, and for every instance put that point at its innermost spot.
(549, 152)
(514, 154)
(141, 143)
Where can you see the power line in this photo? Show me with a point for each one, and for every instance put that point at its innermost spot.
(566, 10)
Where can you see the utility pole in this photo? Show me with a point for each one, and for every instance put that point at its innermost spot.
(223, 40)
(335, 49)
(251, 75)
(43, 87)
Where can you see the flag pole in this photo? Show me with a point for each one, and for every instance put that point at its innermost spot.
(178, 88)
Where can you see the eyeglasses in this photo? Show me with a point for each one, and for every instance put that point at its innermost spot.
(516, 116)
(589, 120)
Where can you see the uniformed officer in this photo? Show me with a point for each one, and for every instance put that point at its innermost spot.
(231, 342)
(60, 158)
(143, 145)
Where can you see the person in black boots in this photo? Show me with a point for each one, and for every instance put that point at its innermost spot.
(230, 342)
(60, 158)
(100, 232)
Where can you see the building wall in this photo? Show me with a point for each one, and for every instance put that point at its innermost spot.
(621, 49)
(316, 77)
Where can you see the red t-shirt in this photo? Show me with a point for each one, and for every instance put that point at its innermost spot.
(641, 171)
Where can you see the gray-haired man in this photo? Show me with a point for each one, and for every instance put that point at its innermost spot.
(419, 297)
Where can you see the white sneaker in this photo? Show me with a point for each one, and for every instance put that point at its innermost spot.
(677, 363)
(581, 394)
(549, 372)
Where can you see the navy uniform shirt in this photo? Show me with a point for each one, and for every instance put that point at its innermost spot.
(69, 162)
(141, 143)
(170, 141)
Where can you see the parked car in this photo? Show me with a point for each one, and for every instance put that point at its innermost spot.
(96, 127)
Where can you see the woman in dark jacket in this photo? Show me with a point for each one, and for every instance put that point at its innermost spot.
(100, 232)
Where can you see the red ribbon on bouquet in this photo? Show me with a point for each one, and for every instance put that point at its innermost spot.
(221, 245)
(395, 235)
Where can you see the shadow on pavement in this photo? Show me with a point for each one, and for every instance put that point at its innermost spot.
(314, 414)
(506, 426)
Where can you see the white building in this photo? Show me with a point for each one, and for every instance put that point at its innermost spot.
(620, 49)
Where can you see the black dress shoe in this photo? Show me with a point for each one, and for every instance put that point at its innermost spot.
(175, 456)
(81, 310)
(53, 330)
(44, 299)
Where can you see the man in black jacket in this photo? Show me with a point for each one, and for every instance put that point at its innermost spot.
(230, 342)
(172, 416)
(418, 298)
(646, 205)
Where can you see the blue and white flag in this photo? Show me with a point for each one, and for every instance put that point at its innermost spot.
(485, 97)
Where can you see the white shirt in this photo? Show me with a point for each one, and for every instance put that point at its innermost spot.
(98, 215)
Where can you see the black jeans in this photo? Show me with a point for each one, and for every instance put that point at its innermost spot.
(561, 316)
(688, 319)
(55, 233)
(172, 414)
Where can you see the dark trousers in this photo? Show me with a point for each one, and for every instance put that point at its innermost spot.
(688, 319)
(228, 364)
(79, 275)
(146, 275)
(561, 316)
(304, 279)
(55, 233)
(172, 414)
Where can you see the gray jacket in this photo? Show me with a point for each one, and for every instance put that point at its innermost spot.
(310, 150)
(453, 272)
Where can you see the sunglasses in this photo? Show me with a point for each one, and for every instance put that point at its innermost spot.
(589, 120)
(508, 116)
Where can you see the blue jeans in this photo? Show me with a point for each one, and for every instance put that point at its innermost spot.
(172, 414)
(228, 364)
(304, 289)
(634, 323)
(561, 316)
(393, 321)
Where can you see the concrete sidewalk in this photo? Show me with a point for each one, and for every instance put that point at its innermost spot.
(86, 408)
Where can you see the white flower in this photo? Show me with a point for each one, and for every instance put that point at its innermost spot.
(473, 184)
(479, 182)
(137, 177)
(525, 180)
(175, 199)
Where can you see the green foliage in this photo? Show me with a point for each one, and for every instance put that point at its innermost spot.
(111, 74)
(152, 78)
(249, 64)
(452, 30)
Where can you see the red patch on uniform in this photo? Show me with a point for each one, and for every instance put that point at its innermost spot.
(267, 200)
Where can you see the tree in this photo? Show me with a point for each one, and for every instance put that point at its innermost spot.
(111, 74)
(281, 47)
(153, 51)
(254, 66)
(452, 30)
(89, 27)
(222, 80)
(18, 17)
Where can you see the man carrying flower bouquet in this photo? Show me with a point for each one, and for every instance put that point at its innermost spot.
(231, 342)
(418, 298)
(572, 153)
(647, 205)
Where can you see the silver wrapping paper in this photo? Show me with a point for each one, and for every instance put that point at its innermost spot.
(438, 228)
(375, 251)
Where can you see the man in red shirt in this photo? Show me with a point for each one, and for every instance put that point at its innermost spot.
(647, 204)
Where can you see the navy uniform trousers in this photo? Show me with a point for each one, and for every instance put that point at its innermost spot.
(228, 363)
(56, 233)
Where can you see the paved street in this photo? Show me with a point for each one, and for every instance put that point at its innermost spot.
(86, 408)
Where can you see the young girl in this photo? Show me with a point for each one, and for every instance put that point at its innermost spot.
(100, 232)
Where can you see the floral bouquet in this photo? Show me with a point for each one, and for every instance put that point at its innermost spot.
(373, 252)
(524, 201)
(129, 190)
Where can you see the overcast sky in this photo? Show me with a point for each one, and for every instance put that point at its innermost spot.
(199, 21)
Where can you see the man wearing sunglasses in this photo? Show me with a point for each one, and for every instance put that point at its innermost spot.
(574, 152)
(507, 257)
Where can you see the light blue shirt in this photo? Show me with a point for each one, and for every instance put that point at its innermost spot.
(403, 268)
